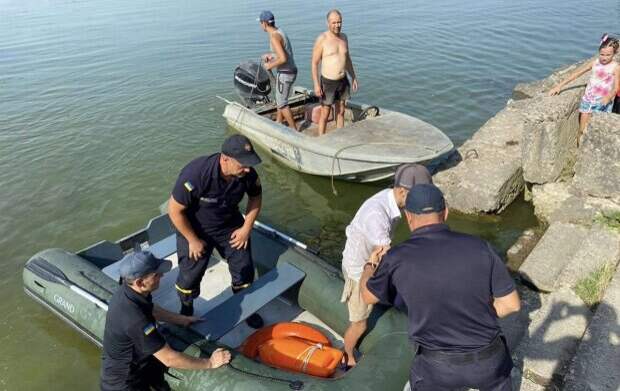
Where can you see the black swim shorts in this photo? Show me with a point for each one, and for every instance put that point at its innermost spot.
(334, 90)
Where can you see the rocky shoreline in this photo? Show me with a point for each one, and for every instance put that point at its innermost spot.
(562, 340)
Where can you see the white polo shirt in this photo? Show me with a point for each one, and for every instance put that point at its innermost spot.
(373, 225)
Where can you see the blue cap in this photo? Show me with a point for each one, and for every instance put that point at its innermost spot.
(266, 16)
(425, 198)
(140, 263)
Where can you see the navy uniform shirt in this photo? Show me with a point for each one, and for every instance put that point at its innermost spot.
(447, 281)
(212, 203)
(129, 341)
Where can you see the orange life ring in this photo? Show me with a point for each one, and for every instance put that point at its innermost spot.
(293, 346)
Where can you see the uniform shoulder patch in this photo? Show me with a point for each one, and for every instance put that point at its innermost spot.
(188, 186)
(148, 329)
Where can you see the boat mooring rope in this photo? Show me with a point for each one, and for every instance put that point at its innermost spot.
(334, 191)
(293, 384)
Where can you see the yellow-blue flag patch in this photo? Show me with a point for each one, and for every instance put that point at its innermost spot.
(149, 328)
(188, 185)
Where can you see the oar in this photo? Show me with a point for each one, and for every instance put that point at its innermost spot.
(51, 273)
(285, 237)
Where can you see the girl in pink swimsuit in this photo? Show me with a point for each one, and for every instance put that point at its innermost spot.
(603, 85)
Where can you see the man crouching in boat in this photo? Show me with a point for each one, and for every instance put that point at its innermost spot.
(281, 59)
(372, 227)
(204, 208)
(331, 51)
(135, 354)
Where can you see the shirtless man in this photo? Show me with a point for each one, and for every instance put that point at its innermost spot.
(331, 51)
(281, 59)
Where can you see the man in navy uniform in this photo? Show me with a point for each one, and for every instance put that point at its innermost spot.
(135, 354)
(455, 287)
(204, 208)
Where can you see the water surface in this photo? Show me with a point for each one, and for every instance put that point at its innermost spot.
(102, 102)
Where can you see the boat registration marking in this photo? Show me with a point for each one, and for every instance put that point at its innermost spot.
(286, 151)
(64, 303)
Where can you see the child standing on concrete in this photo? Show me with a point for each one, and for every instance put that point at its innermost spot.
(603, 85)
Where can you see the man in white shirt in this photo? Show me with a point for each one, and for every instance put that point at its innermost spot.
(371, 228)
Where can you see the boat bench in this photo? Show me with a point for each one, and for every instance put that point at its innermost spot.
(220, 320)
(165, 247)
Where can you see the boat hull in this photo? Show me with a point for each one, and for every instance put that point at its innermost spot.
(359, 154)
(385, 348)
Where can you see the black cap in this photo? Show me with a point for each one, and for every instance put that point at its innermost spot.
(425, 198)
(240, 148)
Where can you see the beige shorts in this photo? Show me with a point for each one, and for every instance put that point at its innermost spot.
(358, 310)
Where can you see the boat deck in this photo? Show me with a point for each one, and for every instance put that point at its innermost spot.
(215, 289)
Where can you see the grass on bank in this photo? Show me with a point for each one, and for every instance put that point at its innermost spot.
(609, 219)
(592, 288)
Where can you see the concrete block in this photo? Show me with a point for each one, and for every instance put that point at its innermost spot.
(597, 171)
(601, 246)
(550, 137)
(552, 253)
(487, 180)
(596, 366)
(553, 337)
(524, 245)
(548, 198)
(556, 202)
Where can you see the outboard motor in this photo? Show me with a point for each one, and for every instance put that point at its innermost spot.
(252, 83)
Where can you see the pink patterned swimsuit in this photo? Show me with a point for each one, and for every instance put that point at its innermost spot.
(600, 85)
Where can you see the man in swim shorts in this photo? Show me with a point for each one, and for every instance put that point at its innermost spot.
(331, 52)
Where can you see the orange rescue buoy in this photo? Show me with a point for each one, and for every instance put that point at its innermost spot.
(293, 346)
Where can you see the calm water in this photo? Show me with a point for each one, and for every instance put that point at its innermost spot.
(102, 102)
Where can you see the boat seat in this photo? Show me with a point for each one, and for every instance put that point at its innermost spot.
(165, 247)
(220, 320)
(162, 249)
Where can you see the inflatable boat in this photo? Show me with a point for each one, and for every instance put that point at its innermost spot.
(294, 288)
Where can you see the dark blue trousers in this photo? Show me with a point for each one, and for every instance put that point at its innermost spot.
(191, 272)
(487, 369)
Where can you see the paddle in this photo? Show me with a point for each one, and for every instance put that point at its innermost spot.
(51, 273)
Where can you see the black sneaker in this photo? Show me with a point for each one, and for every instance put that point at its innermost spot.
(187, 309)
(255, 321)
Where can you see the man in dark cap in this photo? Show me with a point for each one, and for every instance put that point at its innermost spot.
(455, 287)
(135, 354)
(371, 228)
(204, 208)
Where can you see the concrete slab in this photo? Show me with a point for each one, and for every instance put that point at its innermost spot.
(466, 191)
(601, 246)
(552, 338)
(554, 251)
(524, 245)
(493, 153)
(596, 366)
(550, 137)
(597, 172)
